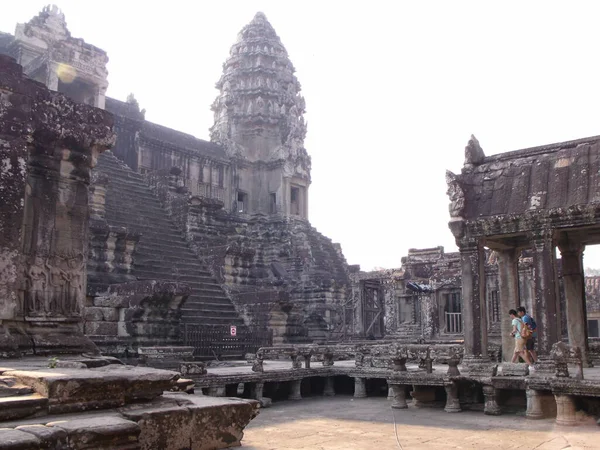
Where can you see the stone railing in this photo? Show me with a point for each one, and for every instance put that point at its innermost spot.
(392, 356)
(395, 356)
(563, 355)
(299, 353)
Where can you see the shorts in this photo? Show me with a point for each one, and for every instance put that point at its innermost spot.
(519, 345)
(530, 345)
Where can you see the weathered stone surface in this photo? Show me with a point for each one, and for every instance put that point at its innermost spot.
(110, 386)
(19, 406)
(100, 432)
(50, 145)
(49, 437)
(18, 440)
(194, 422)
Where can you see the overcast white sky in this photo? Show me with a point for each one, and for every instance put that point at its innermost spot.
(393, 92)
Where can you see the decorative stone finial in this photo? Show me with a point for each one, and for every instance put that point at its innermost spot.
(260, 16)
(473, 153)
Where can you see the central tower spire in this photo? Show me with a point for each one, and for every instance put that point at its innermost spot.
(259, 118)
(259, 109)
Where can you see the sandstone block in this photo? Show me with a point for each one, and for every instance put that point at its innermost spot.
(17, 440)
(112, 433)
(101, 328)
(49, 437)
(69, 390)
(99, 314)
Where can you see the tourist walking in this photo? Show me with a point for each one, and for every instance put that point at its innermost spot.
(529, 343)
(517, 327)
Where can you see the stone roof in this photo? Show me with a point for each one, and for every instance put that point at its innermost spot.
(124, 109)
(181, 140)
(550, 177)
(158, 134)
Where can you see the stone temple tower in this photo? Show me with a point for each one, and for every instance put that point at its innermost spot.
(259, 120)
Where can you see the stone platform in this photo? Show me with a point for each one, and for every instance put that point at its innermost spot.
(466, 388)
(71, 406)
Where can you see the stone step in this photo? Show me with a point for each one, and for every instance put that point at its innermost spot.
(221, 314)
(193, 316)
(14, 390)
(21, 406)
(163, 252)
(200, 305)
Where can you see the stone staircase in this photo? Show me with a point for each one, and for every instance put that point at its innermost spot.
(162, 252)
(18, 400)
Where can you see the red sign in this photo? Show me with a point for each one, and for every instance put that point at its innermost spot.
(233, 330)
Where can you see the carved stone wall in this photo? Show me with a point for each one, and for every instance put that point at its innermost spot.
(131, 315)
(49, 145)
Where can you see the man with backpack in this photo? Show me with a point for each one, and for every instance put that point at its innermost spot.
(519, 327)
(528, 320)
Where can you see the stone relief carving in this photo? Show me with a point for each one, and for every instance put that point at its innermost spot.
(54, 285)
(456, 195)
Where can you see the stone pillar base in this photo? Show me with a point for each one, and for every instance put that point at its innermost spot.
(398, 396)
(452, 402)
(491, 407)
(540, 405)
(218, 391)
(360, 388)
(565, 410)
(329, 390)
(296, 391)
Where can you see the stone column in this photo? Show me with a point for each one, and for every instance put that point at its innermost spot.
(452, 402)
(422, 396)
(491, 407)
(565, 410)
(538, 406)
(473, 302)
(360, 388)
(329, 390)
(574, 286)
(217, 391)
(547, 308)
(508, 278)
(296, 390)
(398, 396)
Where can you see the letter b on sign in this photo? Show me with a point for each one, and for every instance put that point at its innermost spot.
(233, 330)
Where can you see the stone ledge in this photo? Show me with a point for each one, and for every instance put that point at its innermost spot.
(71, 390)
(101, 432)
(189, 421)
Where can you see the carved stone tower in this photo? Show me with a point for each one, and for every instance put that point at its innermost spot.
(259, 120)
(49, 54)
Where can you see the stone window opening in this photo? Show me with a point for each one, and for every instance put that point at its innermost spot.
(77, 91)
(242, 202)
(593, 328)
(453, 307)
(295, 201)
(272, 202)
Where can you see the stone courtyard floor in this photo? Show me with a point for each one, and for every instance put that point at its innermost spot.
(346, 423)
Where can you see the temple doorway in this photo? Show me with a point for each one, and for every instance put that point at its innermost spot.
(372, 306)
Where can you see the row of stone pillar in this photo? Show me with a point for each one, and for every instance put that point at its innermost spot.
(547, 299)
(540, 404)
